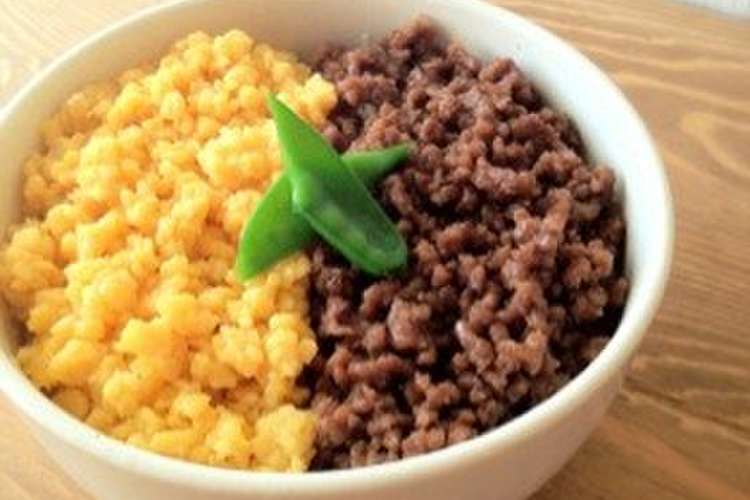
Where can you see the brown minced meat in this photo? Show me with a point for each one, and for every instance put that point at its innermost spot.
(514, 282)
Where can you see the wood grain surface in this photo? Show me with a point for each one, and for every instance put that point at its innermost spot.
(681, 427)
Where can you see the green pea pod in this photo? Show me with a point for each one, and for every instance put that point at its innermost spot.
(275, 231)
(333, 200)
(371, 166)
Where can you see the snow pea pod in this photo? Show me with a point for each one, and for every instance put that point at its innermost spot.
(275, 231)
(371, 166)
(333, 200)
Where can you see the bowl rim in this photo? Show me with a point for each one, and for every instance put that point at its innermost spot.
(606, 366)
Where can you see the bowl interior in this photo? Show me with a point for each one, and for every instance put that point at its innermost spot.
(612, 132)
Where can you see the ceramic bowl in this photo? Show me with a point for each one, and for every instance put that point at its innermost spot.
(509, 462)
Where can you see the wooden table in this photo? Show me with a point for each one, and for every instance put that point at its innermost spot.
(681, 428)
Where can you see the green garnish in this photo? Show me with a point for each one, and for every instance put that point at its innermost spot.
(275, 231)
(301, 203)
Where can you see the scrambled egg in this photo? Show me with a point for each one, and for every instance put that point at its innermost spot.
(122, 272)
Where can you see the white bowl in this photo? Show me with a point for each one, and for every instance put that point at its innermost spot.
(509, 462)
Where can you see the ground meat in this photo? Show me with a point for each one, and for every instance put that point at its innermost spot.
(515, 244)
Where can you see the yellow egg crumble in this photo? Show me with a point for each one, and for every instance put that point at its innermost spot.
(122, 272)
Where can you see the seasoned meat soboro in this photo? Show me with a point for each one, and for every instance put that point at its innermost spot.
(515, 276)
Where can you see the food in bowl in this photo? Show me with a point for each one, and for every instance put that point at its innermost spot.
(515, 278)
(138, 325)
(122, 270)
